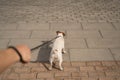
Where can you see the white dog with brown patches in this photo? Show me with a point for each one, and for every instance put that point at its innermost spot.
(57, 50)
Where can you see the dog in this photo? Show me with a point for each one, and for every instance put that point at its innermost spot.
(58, 49)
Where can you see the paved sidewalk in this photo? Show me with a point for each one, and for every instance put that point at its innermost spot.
(97, 70)
(92, 39)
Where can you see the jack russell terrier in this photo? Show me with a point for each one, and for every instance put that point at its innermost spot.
(57, 50)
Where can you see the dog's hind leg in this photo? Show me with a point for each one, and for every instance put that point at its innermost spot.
(51, 64)
(60, 65)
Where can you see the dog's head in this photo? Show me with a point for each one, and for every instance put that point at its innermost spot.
(59, 33)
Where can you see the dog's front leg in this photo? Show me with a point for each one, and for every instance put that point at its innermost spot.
(51, 64)
(60, 64)
(63, 51)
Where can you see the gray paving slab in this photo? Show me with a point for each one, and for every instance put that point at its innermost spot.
(60, 11)
(83, 34)
(75, 43)
(43, 34)
(8, 26)
(30, 42)
(98, 26)
(4, 43)
(91, 27)
(14, 34)
(33, 26)
(66, 26)
(103, 43)
(116, 53)
(90, 55)
(117, 25)
(110, 34)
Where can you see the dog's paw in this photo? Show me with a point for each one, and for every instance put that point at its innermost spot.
(64, 52)
(61, 69)
(50, 68)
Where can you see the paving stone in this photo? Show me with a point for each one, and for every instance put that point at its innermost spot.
(60, 11)
(80, 63)
(30, 42)
(12, 76)
(15, 34)
(33, 26)
(94, 63)
(44, 75)
(43, 34)
(4, 43)
(90, 55)
(61, 74)
(97, 74)
(83, 34)
(103, 43)
(97, 26)
(87, 68)
(116, 53)
(27, 76)
(112, 73)
(107, 78)
(38, 69)
(117, 25)
(31, 65)
(66, 56)
(78, 74)
(1, 76)
(84, 72)
(107, 63)
(71, 69)
(22, 70)
(103, 68)
(66, 26)
(7, 26)
(75, 43)
(110, 34)
(89, 78)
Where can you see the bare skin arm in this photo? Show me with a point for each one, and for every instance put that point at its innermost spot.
(9, 56)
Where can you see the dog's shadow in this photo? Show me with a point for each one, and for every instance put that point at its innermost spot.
(44, 52)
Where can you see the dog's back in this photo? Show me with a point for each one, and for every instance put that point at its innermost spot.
(58, 44)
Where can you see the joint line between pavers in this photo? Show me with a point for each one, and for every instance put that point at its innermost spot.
(81, 26)
(69, 54)
(49, 26)
(31, 33)
(8, 42)
(100, 33)
(112, 54)
(113, 26)
(86, 43)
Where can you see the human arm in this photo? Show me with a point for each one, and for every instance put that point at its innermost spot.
(10, 56)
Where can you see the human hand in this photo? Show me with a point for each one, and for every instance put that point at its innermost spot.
(25, 52)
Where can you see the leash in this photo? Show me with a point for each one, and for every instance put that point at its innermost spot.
(43, 44)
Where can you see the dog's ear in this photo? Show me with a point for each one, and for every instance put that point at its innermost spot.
(60, 32)
(57, 32)
(63, 33)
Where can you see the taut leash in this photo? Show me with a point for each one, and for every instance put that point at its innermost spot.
(43, 44)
